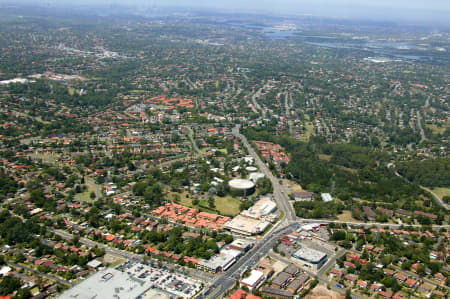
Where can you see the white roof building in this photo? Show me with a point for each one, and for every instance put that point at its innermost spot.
(326, 197)
(5, 270)
(217, 263)
(255, 176)
(254, 280)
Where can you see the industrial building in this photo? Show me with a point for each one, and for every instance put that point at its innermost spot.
(310, 257)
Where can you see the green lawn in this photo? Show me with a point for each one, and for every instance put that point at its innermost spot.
(441, 191)
(225, 205)
(86, 196)
(438, 130)
(309, 130)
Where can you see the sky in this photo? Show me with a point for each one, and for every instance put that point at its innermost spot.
(394, 10)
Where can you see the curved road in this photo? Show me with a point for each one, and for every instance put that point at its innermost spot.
(436, 198)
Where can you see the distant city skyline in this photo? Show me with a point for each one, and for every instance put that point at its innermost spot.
(412, 11)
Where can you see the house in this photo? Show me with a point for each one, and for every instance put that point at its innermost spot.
(349, 264)
(427, 215)
(351, 278)
(386, 295)
(337, 273)
(368, 247)
(439, 276)
(398, 296)
(353, 257)
(400, 277)
(388, 272)
(239, 294)
(362, 284)
(425, 288)
(411, 283)
(375, 287)
(401, 212)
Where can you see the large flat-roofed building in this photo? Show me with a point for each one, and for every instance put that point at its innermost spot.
(217, 263)
(311, 257)
(246, 226)
(108, 283)
(261, 208)
(241, 244)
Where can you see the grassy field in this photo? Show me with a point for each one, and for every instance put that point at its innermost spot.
(436, 129)
(86, 196)
(113, 260)
(228, 205)
(346, 216)
(309, 131)
(441, 192)
(325, 157)
(225, 205)
(352, 170)
(294, 187)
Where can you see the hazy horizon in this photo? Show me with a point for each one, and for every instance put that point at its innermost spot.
(413, 11)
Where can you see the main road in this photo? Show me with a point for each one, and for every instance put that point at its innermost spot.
(280, 195)
(224, 282)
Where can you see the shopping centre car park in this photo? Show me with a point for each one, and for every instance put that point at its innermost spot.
(173, 283)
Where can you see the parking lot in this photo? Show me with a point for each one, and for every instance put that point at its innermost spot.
(175, 284)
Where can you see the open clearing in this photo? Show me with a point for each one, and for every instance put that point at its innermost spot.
(347, 217)
(227, 205)
(438, 130)
(86, 196)
(441, 191)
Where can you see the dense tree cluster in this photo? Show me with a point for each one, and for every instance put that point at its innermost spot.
(15, 231)
(7, 185)
(202, 246)
(430, 172)
(345, 170)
